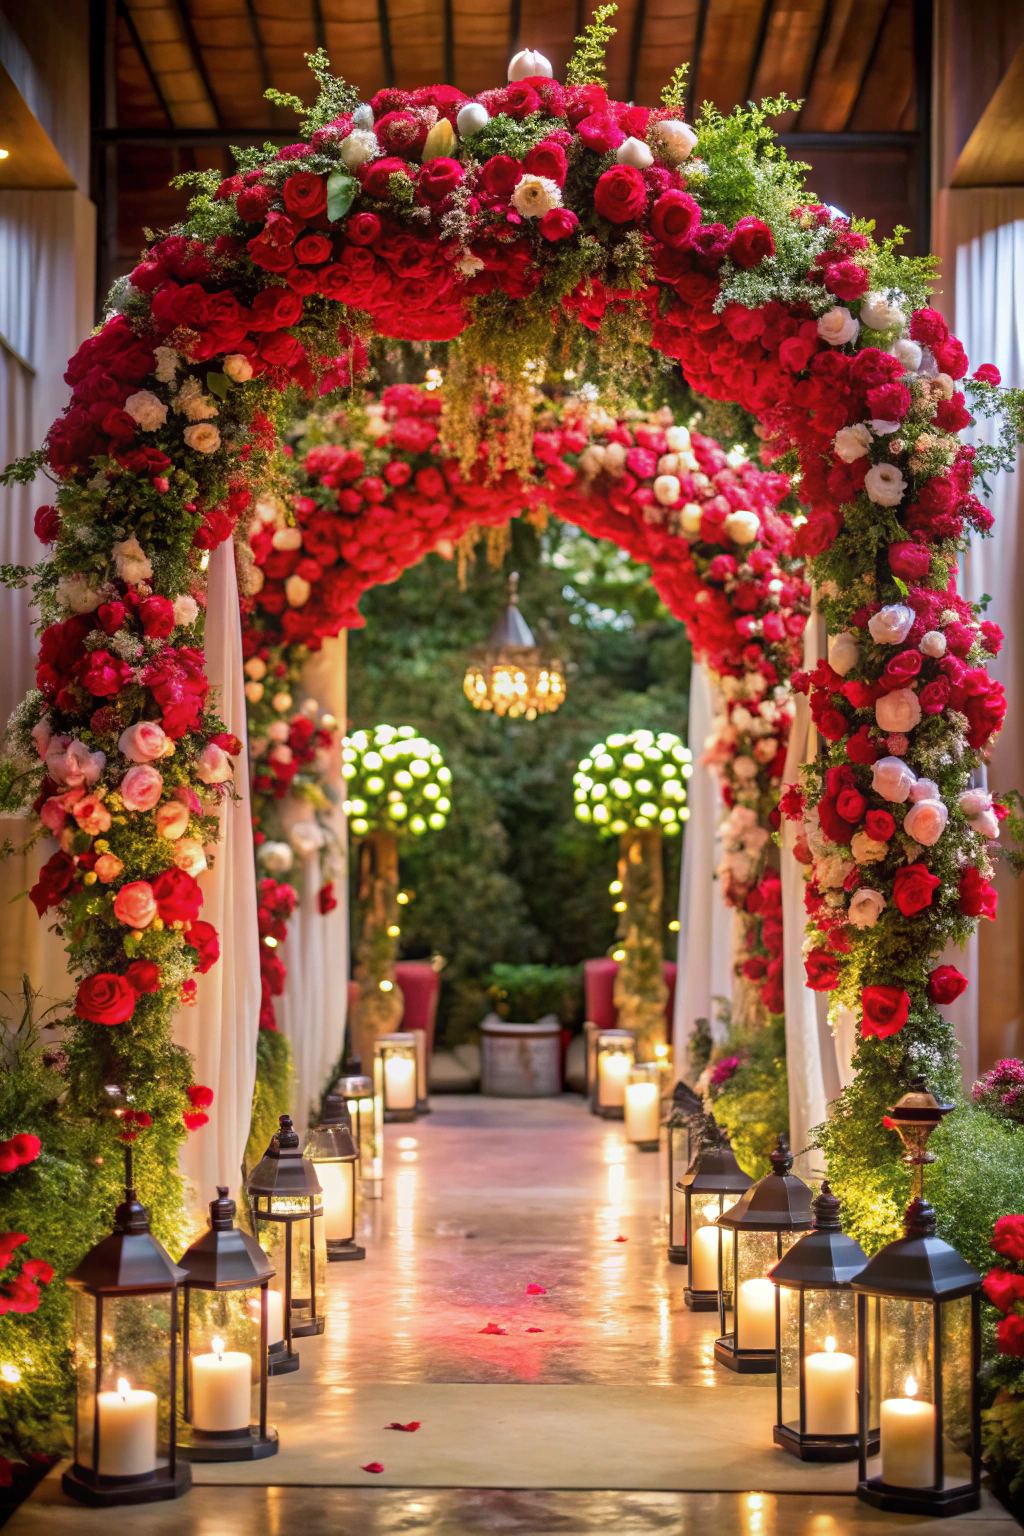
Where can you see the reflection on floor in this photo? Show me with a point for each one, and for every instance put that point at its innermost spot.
(485, 1198)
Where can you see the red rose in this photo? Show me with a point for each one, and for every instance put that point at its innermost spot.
(178, 897)
(674, 217)
(252, 203)
(909, 561)
(1003, 1288)
(832, 724)
(377, 178)
(755, 968)
(194, 1120)
(203, 937)
(822, 970)
(901, 668)
(157, 617)
(326, 900)
(37, 1270)
(977, 897)
(945, 984)
(104, 674)
(274, 308)
(988, 373)
(547, 159)
(438, 178)
(1010, 1335)
(46, 524)
(750, 242)
(913, 888)
(105, 998)
(934, 696)
(621, 195)
(861, 749)
(499, 175)
(363, 228)
(558, 223)
(850, 804)
(305, 195)
(885, 1011)
(199, 1096)
(601, 133)
(311, 250)
(143, 976)
(1008, 1238)
(25, 1147)
(57, 878)
(879, 825)
(846, 280)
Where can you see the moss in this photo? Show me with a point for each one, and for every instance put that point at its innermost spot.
(272, 1093)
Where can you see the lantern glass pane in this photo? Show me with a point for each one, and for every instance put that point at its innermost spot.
(223, 1326)
(338, 1182)
(789, 1356)
(399, 1065)
(308, 1266)
(133, 1382)
(614, 1062)
(85, 1376)
(955, 1325)
(830, 1362)
(678, 1141)
(705, 1239)
(907, 1408)
(754, 1309)
(643, 1102)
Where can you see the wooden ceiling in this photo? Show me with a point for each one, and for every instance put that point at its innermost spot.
(185, 78)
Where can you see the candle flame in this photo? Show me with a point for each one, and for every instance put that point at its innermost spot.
(217, 1345)
(123, 1386)
(830, 1344)
(910, 1387)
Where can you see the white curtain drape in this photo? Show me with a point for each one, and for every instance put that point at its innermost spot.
(706, 924)
(313, 1009)
(220, 1030)
(980, 235)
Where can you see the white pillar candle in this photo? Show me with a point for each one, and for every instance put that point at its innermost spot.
(613, 1068)
(127, 1432)
(400, 1082)
(704, 1258)
(831, 1387)
(221, 1389)
(643, 1112)
(908, 1440)
(275, 1315)
(336, 1182)
(755, 1316)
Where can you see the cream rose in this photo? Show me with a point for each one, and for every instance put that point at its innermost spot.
(843, 653)
(186, 610)
(287, 538)
(866, 850)
(132, 562)
(892, 779)
(742, 526)
(297, 590)
(837, 326)
(202, 437)
(534, 196)
(933, 643)
(908, 353)
(879, 313)
(254, 692)
(852, 443)
(634, 152)
(899, 711)
(678, 140)
(892, 624)
(866, 906)
(976, 805)
(147, 409)
(213, 764)
(189, 856)
(361, 146)
(256, 668)
(74, 592)
(276, 858)
(745, 768)
(615, 458)
(678, 439)
(167, 361)
(691, 517)
(237, 367)
(885, 485)
(307, 837)
(667, 490)
(926, 821)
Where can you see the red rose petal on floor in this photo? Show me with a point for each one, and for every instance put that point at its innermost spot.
(535, 1330)
(622, 1239)
(492, 1328)
(373, 1466)
(412, 1424)
(535, 1290)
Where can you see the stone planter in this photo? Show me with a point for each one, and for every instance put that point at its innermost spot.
(521, 1061)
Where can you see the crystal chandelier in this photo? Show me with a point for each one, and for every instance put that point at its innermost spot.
(511, 674)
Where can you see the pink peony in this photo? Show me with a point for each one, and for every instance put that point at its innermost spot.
(214, 765)
(172, 819)
(108, 867)
(71, 763)
(926, 821)
(141, 788)
(134, 904)
(91, 815)
(144, 742)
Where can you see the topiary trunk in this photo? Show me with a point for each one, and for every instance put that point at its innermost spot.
(380, 1009)
(640, 990)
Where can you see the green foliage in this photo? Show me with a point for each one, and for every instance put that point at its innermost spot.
(978, 1176)
(587, 64)
(673, 95)
(272, 1093)
(525, 993)
(23, 471)
(1002, 1435)
(753, 1105)
(701, 1046)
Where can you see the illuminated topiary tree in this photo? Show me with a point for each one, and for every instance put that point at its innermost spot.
(398, 786)
(634, 788)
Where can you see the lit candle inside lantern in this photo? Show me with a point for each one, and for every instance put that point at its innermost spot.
(400, 1081)
(704, 1257)
(908, 1440)
(755, 1321)
(643, 1112)
(831, 1401)
(336, 1183)
(221, 1389)
(127, 1432)
(275, 1315)
(612, 1069)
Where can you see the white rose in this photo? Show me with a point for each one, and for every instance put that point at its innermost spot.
(885, 485)
(533, 196)
(933, 643)
(254, 692)
(925, 789)
(843, 653)
(691, 517)
(742, 526)
(667, 490)
(359, 147)
(742, 818)
(852, 442)
(202, 437)
(678, 139)
(200, 407)
(131, 561)
(892, 779)
(909, 354)
(838, 326)
(237, 367)
(634, 152)
(678, 439)
(878, 313)
(899, 711)
(883, 428)
(362, 117)
(287, 538)
(987, 824)
(189, 855)
(472, 117)
(866, 907)
(213, 764)
(736, 457)
(526, 65)
(256, 668)
(276, 858)
(669, 464)
(744, 768)
(167, 361)
(866, 850)
(615, 458)
(74, 592)
(297, 590)
(147, 409)
(186, 610)
(307, 837)
(926, 821)
(891, 625)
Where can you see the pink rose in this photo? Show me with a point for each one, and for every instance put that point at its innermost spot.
(172, 819)
(144, 742)
(52, 814)
(214, 765)
(892, 779)
(899, 711)
(108, 867)
(188, 798)
(189, 856)
(926, 821)
(41, 734)
(72, 763)
(141, 788)
(135, 905)
(92, 815)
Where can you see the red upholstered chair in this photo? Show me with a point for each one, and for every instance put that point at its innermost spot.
(598, 987)
(670, 1007)
(420, 986)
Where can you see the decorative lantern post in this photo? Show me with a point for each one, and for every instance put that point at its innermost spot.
(642, 1106)
(757, 1231)
(126, 1347)
(286, 1202)
(511, 674)
(919, 1345)
(332, 1150)
(614, 1058)
(712, 1184)
(686, 1106)
(226, 1289)
(364, 1100)
(816, 1364)
(397, 1055)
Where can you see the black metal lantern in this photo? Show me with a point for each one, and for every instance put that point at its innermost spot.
(758, 1230)
(126, 1347)
(396, 1054)
(614, 1055)
(816, 1329)
(712, 1184)
(287, 1210)
(227, 1280)
(365, 1104)
(332, 1150)
(686, 1106)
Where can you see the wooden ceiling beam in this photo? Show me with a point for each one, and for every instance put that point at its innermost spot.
(698, 48)
(841, 63)
(126, 16)
(198, 62)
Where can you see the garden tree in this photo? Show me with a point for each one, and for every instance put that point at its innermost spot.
(633, 787)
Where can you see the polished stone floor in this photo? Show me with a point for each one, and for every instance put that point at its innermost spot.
(597, 1407)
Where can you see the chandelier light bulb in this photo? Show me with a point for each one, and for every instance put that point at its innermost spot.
(511, 675)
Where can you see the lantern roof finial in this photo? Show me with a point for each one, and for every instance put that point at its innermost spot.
(778, 1202)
